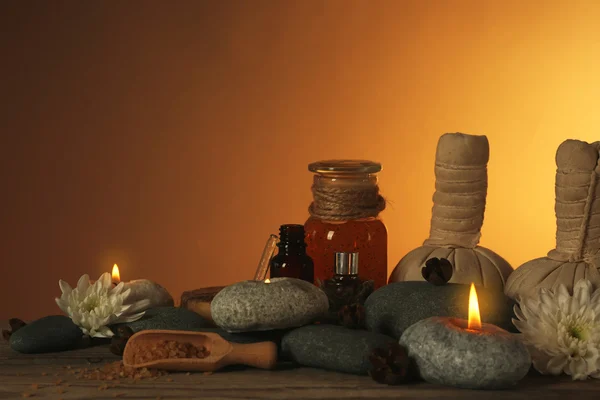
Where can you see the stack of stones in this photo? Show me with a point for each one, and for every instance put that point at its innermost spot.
(285, 311)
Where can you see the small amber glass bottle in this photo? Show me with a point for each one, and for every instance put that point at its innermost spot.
(292, 261)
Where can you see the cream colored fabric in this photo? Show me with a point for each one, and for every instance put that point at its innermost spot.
(577, 210)
(457, 217)
(460, 190)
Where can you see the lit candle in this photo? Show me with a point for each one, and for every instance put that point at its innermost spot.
(466, 353)
(143, 289)
(267, 280)
(116, 275)
(474, 321)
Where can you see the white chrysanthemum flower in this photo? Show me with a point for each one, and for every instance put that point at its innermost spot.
(562, 331)
(94, 307)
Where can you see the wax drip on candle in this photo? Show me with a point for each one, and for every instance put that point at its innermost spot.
(474, 321)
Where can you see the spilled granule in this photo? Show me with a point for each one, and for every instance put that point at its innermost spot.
(115, 371)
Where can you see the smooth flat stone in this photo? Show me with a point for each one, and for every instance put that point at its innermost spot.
(144, 289)
(396, 306)
(283, 303)
(333, 347)
(169, 318)
(447, 353)
(45, 335)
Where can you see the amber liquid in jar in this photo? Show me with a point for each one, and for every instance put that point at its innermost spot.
(367, 237)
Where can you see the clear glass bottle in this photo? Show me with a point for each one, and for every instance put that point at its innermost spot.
(326, 236)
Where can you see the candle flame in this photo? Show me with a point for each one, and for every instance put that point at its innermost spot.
(116, 276)
(267, 280)
(474, 316)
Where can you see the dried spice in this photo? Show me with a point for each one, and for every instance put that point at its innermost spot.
(352, 316)
(165, 349)
(115, 371)
(15, 325)
(119, 341)
(392, 366)
(437, 271)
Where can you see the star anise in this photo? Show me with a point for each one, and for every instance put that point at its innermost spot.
(352, 316)
(391, 365)
(119, 341)
(15, 325)
(437, 271)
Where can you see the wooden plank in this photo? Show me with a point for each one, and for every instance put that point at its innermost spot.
(19, 372)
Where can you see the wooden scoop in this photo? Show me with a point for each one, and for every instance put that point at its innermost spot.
(222, 353)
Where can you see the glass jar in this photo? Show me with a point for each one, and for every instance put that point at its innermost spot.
(344, 218)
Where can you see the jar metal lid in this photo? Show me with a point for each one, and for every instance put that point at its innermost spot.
(356, 166)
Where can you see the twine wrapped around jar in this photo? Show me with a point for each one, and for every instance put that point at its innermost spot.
(342, 203)
(345, 217)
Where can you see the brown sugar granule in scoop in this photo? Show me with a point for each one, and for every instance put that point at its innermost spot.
(165, 349)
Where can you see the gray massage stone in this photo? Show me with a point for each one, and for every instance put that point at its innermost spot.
(394, 307)
(167, 318)
(333, 347)
(49, 334)
(447, 353)
(283, 303)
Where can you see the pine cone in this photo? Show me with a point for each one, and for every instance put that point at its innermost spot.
(15, 325)
(352, 316)
(437, 271)
(392, 366)
(119, 341)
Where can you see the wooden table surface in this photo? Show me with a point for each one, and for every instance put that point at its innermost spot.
(50, 376)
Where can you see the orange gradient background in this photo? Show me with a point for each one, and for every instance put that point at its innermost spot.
(172, 138)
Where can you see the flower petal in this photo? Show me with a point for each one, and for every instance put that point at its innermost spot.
(556, 364)
(62, 305)
(140, 305)
(582, 291)
(105, 281)
(65, 288)
(83, 283)
(131, 318)
(117, 289)
(577, 368)
(104, 332)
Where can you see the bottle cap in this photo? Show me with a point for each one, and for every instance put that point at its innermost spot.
(346, 263)
(291, 233)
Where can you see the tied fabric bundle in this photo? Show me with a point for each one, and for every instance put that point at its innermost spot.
(577, 226)
(457, 217)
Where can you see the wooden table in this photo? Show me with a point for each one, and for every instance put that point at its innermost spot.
(52, 375)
